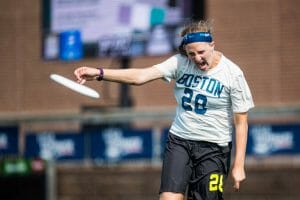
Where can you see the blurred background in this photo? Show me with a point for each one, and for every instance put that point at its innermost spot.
(56, 144)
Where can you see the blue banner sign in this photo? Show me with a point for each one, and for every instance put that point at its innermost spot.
(268, 139)
(56, 146)
(9, 140)
(115, 144)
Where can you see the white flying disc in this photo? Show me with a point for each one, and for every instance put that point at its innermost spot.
(82, 89)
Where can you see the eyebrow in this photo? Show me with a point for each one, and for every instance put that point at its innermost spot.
(197, 51)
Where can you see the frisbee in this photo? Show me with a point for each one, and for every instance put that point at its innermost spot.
(82, 89)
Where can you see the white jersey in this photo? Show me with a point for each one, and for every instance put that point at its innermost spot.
(206, 99)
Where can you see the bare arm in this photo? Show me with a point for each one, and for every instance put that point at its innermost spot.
(132, 76)
(238, 170)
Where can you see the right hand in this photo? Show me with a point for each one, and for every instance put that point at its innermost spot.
(84, 74)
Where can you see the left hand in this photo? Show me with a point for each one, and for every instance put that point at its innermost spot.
(238, 175)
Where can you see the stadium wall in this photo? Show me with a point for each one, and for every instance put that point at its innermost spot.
(260, 36)
(136, 183)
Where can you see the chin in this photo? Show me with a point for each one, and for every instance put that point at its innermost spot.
(203, 68)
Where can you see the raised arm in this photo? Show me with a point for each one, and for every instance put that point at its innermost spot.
(241, 128)
(132, 76)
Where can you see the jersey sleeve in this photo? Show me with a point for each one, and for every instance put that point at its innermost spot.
(168, 68)
(241, 97)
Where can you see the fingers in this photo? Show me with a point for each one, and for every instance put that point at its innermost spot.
(80, 74)
(238, 176)
(236, 186)
(82, 81)
(77, 74)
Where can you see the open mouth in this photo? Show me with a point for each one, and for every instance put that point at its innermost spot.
(202, 65)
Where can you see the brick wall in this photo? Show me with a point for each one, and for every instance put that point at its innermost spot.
(135, 183)
(261, 36)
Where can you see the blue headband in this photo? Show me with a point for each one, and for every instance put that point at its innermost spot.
(197, 37)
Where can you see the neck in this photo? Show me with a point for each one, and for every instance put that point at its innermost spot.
(216, 57)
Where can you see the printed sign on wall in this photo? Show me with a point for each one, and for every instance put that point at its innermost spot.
(57, 146)
(9, 140)
(115, 144)
(270, 139)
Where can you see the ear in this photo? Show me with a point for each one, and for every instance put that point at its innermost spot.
(182, 50)
(212, 44)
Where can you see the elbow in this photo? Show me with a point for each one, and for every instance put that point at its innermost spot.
(139, 80)
(137, 83)
(142, 76)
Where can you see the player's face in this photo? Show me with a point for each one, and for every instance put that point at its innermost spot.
(201, 53)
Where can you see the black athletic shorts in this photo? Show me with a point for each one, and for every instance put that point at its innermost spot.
(195, 167)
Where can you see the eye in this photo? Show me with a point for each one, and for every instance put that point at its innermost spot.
(191, 54)
(201, 52)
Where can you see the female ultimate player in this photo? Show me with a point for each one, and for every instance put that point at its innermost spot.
(212, 96)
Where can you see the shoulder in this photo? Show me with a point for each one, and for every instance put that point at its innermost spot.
(176, 60)
(232, 73)
(183, 61)
(180, 58)
(232, 67)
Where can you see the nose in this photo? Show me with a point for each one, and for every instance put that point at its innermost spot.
(198, 58)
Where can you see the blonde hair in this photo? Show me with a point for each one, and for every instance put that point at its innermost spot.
(192, 27)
